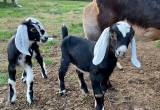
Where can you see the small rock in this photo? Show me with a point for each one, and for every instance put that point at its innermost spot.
(141, 71)
(1, 100)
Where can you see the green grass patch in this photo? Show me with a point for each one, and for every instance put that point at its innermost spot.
(5, 35)
(52, 13)
(158, 44)
(53, 42)
(3, 78)
(48, 61)
(46, 49)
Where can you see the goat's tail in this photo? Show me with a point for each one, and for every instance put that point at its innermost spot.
(64, 31)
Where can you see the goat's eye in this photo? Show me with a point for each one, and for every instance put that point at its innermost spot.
(42, 32)
(114, 36)
(33, 30)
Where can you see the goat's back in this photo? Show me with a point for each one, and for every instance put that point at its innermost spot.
(79, 50)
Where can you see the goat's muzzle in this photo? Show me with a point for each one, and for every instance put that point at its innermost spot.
(44, 39)
(121, 51)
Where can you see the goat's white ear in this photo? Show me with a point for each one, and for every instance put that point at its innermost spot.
(134, 59)
(101, 47)
(22, 40)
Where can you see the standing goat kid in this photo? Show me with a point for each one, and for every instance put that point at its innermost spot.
(99, 59)
(22, 46)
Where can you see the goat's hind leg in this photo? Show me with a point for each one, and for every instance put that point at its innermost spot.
(82, 82)
(12, 83)
(62, 72)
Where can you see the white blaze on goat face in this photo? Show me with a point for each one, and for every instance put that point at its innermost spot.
(123, 27)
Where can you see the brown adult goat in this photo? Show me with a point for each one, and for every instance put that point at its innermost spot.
(144, 15)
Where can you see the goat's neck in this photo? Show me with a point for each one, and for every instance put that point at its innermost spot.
(110, 55)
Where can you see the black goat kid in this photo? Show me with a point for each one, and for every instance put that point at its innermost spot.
(99, 59)
(22, 46)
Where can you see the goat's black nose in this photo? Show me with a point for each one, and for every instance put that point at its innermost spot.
(46, 38)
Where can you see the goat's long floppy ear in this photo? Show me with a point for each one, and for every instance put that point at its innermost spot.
(22, 40)
(101, 47)
(134, 59)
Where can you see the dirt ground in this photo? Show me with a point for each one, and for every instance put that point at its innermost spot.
(133, 89)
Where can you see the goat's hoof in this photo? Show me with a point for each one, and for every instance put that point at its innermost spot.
(12, 102)
(62, 93)
(100, 108)
(85, 93)
(30, 101)
(45, 77)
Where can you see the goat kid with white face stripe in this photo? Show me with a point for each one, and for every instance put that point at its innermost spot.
(113, 43)
(21, 47)
(119, 35)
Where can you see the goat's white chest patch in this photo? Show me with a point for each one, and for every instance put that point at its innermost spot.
(123, 27)
(21, 59)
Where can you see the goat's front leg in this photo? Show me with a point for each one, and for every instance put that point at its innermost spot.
(105, 84)
(98, 94)
(12, 83)
(39, 59)
(29, 80)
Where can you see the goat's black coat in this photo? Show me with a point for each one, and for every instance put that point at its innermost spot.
(79, 52)
(145, 13)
